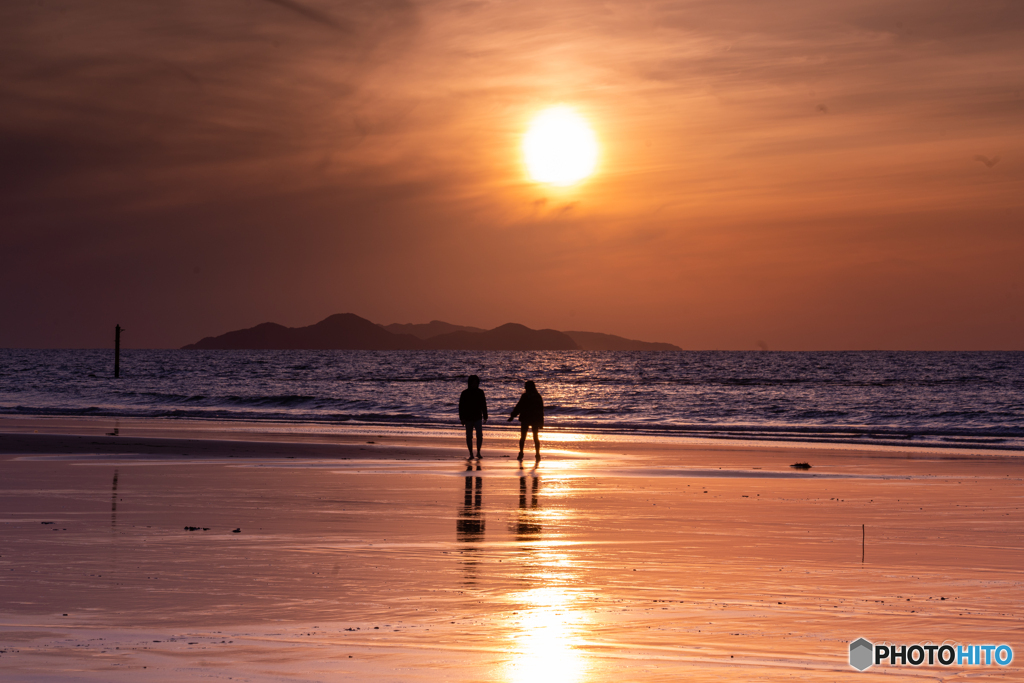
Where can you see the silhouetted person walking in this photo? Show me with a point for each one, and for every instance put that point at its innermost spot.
(472, 413)
(530, 411)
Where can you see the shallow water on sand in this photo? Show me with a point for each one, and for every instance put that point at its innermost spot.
(640, 565)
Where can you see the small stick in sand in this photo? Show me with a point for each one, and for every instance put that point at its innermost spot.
(862, 534)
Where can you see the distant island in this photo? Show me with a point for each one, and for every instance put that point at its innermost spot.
(348, 331)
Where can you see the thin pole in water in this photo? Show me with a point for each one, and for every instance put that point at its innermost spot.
(117, 351)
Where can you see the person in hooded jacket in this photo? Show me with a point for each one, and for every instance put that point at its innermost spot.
(530, 411)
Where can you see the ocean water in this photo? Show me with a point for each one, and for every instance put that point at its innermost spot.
(950, 400)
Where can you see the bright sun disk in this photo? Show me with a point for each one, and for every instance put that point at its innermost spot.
(560, 147)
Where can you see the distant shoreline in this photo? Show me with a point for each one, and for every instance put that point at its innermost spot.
(441, 436)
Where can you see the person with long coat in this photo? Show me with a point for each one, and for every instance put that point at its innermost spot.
(530, 411)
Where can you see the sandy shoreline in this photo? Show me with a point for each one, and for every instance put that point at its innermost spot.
(393, 561)
(498, 432)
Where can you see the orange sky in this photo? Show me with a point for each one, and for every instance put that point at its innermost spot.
(793, 172)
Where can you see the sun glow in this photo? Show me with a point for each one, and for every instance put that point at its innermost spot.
(548, 642)
(560, 148)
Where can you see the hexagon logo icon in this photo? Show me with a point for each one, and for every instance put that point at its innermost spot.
(861, 652)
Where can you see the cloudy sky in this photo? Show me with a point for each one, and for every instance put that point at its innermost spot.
(811, 175)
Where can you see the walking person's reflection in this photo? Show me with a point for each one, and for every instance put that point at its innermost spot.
(469, 523)
(530, 411)
(527, 523)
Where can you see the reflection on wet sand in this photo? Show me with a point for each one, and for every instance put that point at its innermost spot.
(527, 522)
(469, 523)
(643, 567)
(548, 637)
(113, 502)
(547, 634)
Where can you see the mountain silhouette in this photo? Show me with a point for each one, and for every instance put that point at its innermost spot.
(428, 330)
(597, 341)
(508, 337)
(347, 331)
(587, 341)
(339, 331)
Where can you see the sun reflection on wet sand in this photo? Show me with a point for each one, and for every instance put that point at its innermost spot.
(546, 636)
(636, 565)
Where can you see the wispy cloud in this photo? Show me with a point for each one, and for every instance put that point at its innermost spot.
(310, 14)
(277, 139)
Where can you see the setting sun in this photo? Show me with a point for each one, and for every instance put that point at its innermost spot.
(560, 148)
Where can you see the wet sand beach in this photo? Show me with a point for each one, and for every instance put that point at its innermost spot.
(166, 553)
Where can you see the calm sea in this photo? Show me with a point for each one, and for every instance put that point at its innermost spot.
(952, 400)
